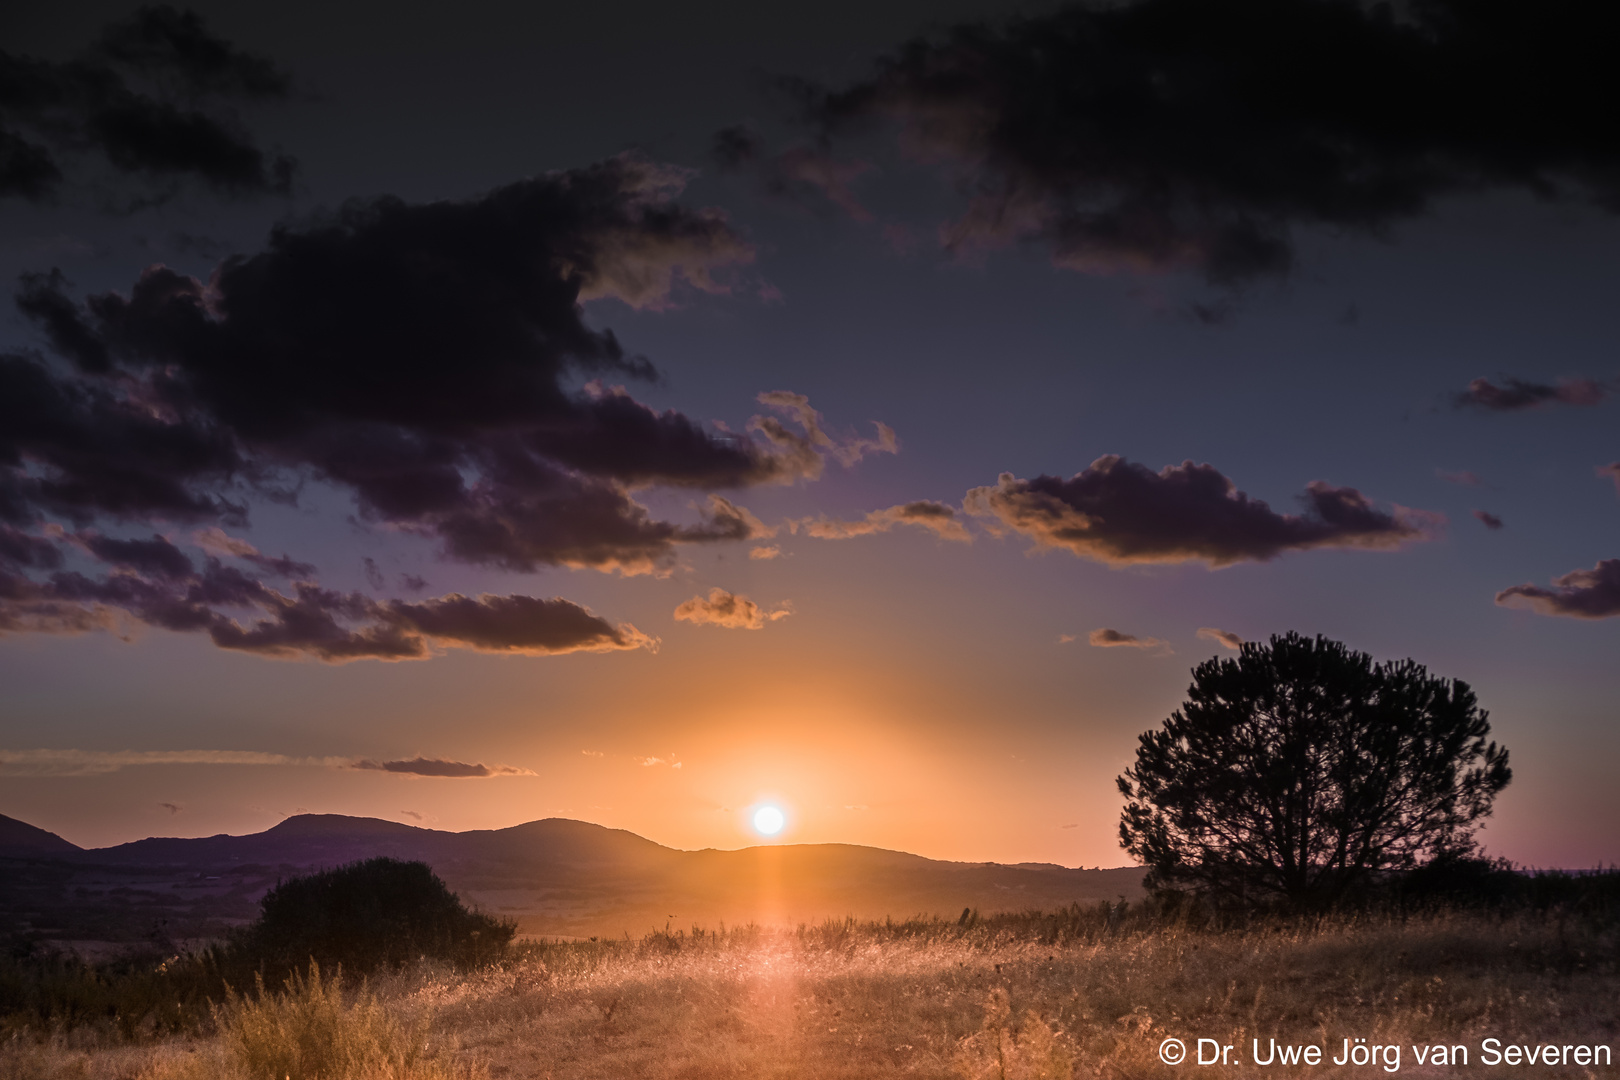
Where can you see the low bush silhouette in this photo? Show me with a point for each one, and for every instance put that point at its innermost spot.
(380, 913)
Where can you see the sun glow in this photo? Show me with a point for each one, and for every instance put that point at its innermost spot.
(769, 820)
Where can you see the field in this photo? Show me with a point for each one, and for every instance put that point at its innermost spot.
(1086, 992)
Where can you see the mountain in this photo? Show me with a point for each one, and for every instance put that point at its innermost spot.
(18, 838)
(555, 877)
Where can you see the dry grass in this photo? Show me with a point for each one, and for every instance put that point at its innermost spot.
(1009, 999)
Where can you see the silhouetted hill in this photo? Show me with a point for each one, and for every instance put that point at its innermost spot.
(555, 876)
(21, 838)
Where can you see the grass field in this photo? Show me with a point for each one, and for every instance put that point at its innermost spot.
(1082, 993)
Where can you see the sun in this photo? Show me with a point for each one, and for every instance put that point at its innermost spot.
(768, 820)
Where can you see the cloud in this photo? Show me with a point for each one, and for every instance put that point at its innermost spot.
(1105, 638)
(730, 610)
(924, 513)
(460, 770)
(216, 541)
(437, 394)
(1066, 639)
(1515, 394)
(1121, 513)
(1612, 471)
(172, 808)
(1202, 134)
(764, 552)
(1488, 519)
(801, 455)
(1462, 477)
(1220, 637)
(517, 624)
(1579, 594)
(153, 583)
(151, 100)
(101, 762)
(412, 814)
(795, 172)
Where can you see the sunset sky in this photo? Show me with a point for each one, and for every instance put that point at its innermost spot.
(466, 414)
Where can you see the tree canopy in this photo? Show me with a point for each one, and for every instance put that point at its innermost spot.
(1300, 770)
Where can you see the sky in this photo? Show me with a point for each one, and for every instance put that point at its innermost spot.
(638, 413)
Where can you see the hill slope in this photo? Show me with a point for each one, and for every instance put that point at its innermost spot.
(18, 838)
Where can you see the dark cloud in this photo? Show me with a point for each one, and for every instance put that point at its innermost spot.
(154, 583)
(151, 98)
(421, 766)
(1220, 637)
(942, 520)
(1118, 512)
(82, 448)
(732, 611)
(1612, 471)
(23, 551)
(1202, 133)
(427, 359)
(155, 557)
(517, 624)
(1513, 394)
(420, 356)
(1105, 638)
(1488, 519)
(1579, 594)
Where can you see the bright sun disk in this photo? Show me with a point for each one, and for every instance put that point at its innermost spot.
(768, 820)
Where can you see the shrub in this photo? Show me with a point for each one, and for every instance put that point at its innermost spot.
(380, 913)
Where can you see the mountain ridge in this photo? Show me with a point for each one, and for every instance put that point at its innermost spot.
(553, 876)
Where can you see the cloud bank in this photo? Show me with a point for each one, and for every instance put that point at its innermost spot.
(1202, 134)
(424, 358)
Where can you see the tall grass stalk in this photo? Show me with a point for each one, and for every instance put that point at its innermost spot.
(309, 1032)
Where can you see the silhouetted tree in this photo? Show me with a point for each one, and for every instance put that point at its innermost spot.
(377, 913)
(1301, 770)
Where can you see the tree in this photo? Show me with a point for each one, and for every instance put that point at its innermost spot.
(378, 913)
(1301, 770)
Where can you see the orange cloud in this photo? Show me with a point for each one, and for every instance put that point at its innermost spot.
(923, 513)
(1106, 638)
(732, 611)
(1220, 637)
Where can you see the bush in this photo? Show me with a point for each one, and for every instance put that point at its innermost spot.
(380, 913)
